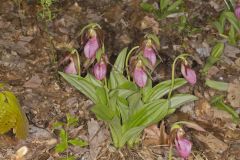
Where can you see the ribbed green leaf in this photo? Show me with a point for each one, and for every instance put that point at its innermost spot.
(82, 85)
(146, 115)
(222, 86)
(129, 134)
(103, 112)
(162, 89)
(180, 99)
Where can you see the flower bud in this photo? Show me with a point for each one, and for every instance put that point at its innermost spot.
(70, 68)
(139, 75)
(150, 54)
(91, 47)
(237, 11)
(183, 147)
(189, 74)
(100, 70)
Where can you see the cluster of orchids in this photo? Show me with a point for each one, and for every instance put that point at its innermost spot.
(93, 49)
(142, 63)
(126, 100)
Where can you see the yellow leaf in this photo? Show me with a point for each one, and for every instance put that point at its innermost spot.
(12, 115)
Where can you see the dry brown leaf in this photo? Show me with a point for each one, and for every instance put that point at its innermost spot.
(155, 135)
(203, 109)
(149, 22)
(212, 142)
(96, 138)
(234, 94)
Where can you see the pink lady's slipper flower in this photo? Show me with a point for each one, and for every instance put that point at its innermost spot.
(91, 46)
(70, 68)
(100, 70)
(150, 53)
(183, 147)
(139, 75)
(237, 11)
(189, 74)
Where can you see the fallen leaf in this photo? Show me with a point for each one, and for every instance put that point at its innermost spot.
(96, 138)
(156, 135)
(234, 94)
(203, 109)
(212, 142)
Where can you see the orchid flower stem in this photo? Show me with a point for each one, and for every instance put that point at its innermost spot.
(182, 56)
(74, 51)
(127, 59)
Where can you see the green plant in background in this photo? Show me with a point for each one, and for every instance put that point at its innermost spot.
(230, 30)
(65, 140)
(218, 101)
(126, 108)
(11, 115)
(166, 7)
(215, 56)
(46, 13)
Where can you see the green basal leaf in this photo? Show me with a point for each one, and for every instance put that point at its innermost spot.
(90, 78)
(217, 102)
(215, 56)
(78, 142)
(147, 7)
(180, 99)
(123, 108)
(102, 95)
(116, 79)
(219, 27)
(120, 61)
(103, 112)
(129, 134)
(221, 86)
(233, 20)
(162, 89)
(135, 102)
(116, 75)
(85, 87)
(217, 50)
(146, 115)
(125, 89)
(116, 130)
(232, 36)
(173, 7)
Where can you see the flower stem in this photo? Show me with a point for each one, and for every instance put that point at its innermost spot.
(181, 56)
(127, 59)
